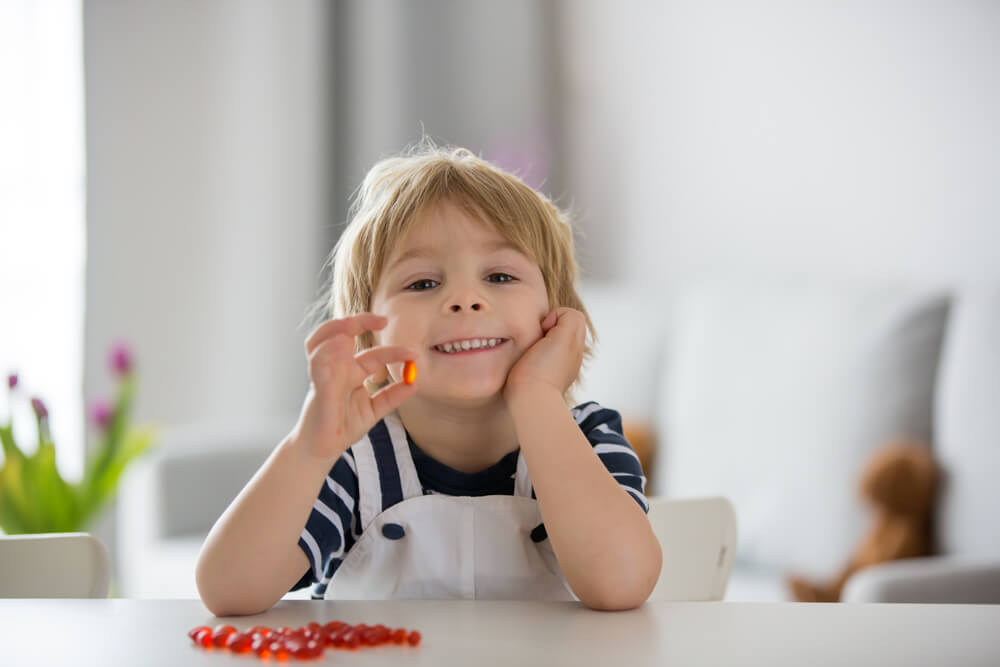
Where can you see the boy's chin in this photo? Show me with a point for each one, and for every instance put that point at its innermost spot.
(470, 397)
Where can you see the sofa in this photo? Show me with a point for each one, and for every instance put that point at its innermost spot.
(774, 391)
(771, 392)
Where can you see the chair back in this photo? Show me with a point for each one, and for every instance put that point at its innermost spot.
(54, 565)
(698, 539)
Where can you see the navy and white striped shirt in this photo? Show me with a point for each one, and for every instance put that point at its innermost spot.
(334, 524)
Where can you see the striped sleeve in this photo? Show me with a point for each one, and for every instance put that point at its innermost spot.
(603, 428)
(332, 526)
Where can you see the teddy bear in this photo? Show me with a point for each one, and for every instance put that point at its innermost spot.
(900, 484)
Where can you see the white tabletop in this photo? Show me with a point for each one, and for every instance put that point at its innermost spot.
(154, 632)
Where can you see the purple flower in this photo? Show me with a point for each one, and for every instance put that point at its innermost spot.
(12, 380)
(121, 359)
(40, 410)
(101, 413)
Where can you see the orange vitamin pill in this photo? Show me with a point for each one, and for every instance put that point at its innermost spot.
(409, 372)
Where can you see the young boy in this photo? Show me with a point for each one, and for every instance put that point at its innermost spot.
(475, 481)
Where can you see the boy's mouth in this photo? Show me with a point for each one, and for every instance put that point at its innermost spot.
(469, 345)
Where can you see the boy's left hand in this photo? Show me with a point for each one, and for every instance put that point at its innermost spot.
(554, 359)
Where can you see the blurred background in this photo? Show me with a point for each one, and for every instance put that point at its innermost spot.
(175, 174)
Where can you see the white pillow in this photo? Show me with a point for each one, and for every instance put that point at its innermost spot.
(777, 395)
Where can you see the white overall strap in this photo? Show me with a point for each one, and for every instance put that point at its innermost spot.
(369, 487)
(522, 480)
(408, 478)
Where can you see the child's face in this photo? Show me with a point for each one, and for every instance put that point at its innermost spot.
(463, 282)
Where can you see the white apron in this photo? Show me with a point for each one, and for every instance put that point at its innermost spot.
(439, 546)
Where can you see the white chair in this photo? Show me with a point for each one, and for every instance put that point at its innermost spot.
(698, 539)
(54, 565)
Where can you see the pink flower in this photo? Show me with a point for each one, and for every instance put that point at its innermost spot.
(12, 380)
(101, 413)
(121, 359)
(40, 410)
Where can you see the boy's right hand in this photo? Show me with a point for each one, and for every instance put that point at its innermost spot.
(338, 410)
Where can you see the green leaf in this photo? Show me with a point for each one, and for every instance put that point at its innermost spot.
(56, 499)
(112, 438)
(134, 444)
(11, 518)
(13, 502)
(33, 515)
(91, 468)
(122, 413)
(10, 448)
(12, 477)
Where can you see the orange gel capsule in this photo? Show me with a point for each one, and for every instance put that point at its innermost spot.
(409, 372)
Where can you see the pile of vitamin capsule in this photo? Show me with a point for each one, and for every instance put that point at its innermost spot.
(304, 643)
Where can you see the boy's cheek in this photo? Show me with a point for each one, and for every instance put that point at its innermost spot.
(529, 340)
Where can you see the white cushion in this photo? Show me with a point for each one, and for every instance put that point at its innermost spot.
(779, 392)
(968, 427)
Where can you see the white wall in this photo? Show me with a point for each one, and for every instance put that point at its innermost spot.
(208, 170)
(850, 138)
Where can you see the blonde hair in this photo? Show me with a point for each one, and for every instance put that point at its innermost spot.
(398, 189)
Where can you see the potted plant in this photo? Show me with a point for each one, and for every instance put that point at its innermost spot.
(34, 497)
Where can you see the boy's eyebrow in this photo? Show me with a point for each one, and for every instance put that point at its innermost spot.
(430, 251)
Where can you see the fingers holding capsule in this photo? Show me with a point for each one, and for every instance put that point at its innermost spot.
(375, 360)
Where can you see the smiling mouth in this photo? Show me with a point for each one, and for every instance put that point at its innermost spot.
(469, 346)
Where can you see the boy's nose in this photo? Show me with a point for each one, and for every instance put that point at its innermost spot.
(466, 299)
(475, 305)
(465, 296)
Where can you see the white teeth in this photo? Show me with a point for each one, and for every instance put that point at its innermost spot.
(476, 344)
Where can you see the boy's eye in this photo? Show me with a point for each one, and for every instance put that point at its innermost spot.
(423, 282)
(427, 283)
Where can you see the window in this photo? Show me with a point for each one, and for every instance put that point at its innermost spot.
(42, 228)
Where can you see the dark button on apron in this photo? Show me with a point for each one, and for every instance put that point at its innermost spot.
(393, 531)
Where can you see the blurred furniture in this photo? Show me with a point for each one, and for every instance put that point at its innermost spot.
(773, 393)
(500, 632)
(53, 565)
(960, 579)
(698, 540)
(171, 498)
